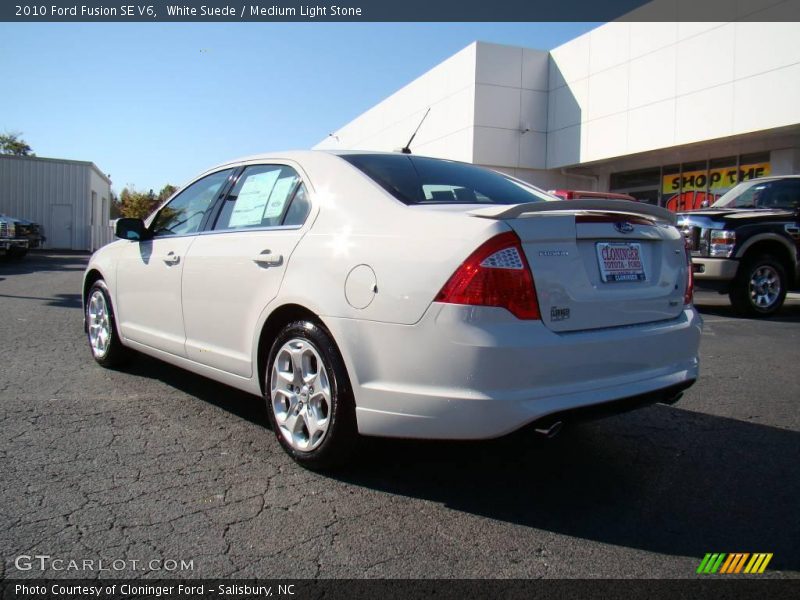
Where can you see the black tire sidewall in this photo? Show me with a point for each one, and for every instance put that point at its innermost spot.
(342, 434)
(116, 351)
(740, 293)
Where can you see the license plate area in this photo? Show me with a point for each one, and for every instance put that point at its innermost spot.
(620, 262)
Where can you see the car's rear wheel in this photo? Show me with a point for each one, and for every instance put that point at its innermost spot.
(101, 330)
(309, 399)
(760, 287)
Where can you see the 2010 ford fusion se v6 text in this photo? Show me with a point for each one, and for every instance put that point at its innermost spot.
(387, 294)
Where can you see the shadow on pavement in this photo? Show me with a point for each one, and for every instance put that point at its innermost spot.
(60, 300)
(661, 479)
(241, 404)
(789, 313)
(38, 262)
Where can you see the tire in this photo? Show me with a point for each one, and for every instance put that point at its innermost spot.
(16, 252)
(101, 328)
(307, 388)
(760, 287)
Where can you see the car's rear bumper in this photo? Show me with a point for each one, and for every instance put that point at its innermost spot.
(472, 373)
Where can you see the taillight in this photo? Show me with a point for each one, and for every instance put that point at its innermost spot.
(688, 295)
(496, 274)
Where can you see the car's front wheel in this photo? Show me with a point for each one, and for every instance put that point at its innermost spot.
(309, 399)
(760, 287)
(101, 330)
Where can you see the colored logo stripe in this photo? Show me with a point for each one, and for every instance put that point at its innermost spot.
(734, 562)
(758, 563)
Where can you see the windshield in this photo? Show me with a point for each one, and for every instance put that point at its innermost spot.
(775, 193)
(421, 180)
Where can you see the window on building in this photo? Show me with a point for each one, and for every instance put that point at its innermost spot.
(635, 179)
(94, 209)
(691, 185)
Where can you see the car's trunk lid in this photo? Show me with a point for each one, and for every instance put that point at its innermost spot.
(600, 263)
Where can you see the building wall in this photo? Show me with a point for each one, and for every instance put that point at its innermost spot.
(627, 88)
(100, 232)
(625, 95)
(448, 89)
(54, 193)
(511, 98)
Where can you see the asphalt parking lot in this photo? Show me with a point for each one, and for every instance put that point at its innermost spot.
(153, 463)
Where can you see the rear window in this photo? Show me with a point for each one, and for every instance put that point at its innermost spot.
(421, 180)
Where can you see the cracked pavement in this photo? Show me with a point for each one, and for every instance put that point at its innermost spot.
(154, 463)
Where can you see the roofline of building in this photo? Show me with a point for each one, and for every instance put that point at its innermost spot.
(61, 160)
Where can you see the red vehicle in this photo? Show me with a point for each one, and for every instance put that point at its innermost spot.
(579, 194)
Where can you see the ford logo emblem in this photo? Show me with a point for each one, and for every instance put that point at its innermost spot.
(623, 227)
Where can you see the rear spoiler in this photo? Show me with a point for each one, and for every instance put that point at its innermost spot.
(514, 211)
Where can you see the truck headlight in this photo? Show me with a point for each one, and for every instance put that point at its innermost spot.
(722, 243)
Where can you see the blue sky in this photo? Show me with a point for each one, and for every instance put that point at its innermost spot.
(158, 103)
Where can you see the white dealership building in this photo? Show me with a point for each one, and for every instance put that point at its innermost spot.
(670, 112)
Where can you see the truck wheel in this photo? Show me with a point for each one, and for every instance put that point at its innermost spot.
(16, 252)
(760, 287)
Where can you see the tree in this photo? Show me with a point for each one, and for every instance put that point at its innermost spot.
(12, 143)
(139, 205)
(116, 206)
(166, 192)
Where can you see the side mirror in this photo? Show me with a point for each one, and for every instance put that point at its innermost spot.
(131, 229)
(705, 204)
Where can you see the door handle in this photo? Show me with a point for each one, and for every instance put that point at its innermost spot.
(172, 259)
(268, 259)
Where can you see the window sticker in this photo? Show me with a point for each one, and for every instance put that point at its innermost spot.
(277, 200)
(251, 203)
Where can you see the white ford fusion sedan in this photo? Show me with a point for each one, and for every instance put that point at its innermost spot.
(395, 295)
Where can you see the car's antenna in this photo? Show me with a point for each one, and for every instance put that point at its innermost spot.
(407, 148)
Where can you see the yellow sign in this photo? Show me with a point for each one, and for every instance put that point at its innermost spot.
(714, 179)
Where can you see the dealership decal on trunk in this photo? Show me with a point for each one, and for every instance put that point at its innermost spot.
(559, 314)
(620, 261)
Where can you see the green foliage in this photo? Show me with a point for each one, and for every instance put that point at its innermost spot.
(166, 192)
(116, 206)
(139, 205)
(12, 143)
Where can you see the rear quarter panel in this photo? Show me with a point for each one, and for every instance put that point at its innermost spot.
(412, 251)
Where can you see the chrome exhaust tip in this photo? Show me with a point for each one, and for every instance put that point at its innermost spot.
(550, 431)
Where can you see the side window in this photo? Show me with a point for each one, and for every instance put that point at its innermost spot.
(264, 196)
(784, 193)
(184, 213)
(298, 209)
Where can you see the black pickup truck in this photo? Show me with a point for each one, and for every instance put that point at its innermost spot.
(747, 244)
(17, 236)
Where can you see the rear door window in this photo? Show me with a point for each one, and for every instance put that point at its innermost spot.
(263, 197)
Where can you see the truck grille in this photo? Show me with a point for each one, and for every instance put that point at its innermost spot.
(692, 235)
(3, 229)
